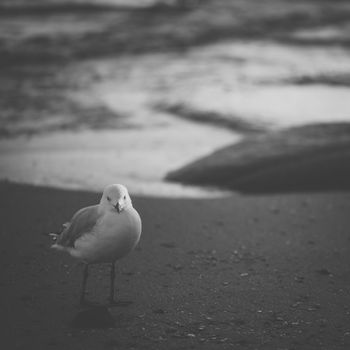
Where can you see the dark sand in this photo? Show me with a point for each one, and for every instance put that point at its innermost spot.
(245, 272)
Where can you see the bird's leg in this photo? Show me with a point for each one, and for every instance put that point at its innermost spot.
(83, 286)
(111, 295)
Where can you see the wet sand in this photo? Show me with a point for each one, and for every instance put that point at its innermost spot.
(245, 272)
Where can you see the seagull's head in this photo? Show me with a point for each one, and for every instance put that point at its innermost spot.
(115, 198)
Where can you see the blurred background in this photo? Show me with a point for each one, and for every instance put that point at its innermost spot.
(97, 92)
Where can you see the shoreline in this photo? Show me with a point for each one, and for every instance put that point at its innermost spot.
(309, 158)
(138, 158)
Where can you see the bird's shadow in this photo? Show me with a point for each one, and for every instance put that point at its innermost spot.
(96, 316)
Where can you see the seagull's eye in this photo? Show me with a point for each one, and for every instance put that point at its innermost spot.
(109, 198)
(124, 197)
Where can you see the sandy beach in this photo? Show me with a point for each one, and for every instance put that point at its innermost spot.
(245, 272)
(248, 96)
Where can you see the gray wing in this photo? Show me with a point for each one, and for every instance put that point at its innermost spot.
(82, 222)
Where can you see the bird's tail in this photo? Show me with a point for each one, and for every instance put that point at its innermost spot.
(55, 236)
(58, 247)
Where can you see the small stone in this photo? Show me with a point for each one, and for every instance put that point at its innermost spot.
(159, 311)
(168, 245)
(323, 272)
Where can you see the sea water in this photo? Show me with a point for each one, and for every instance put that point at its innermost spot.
(132, 116)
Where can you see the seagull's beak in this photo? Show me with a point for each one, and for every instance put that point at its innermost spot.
(119, 206)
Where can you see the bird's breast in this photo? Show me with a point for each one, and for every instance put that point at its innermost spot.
(114, 236)
(127, 223)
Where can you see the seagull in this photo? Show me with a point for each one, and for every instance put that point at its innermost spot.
(101, 233)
